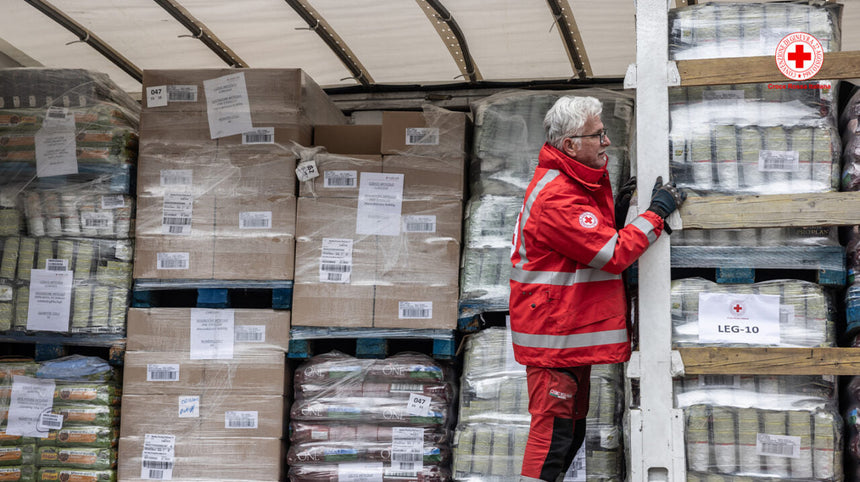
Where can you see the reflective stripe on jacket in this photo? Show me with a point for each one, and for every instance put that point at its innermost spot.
(567, 296)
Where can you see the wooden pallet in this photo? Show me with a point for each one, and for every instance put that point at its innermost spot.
(48, 346)
(147, 293)
(306, 342)
(474, 316)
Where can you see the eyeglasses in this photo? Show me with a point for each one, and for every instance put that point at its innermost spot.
(601, 135)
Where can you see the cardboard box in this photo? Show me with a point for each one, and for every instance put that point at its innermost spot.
(173, 257)
(248, 459)
(416, 306)
(425, 176)
(191, 129)
(339, 174)
(349, 139)
(255, 237)
(433, 132)
(169, 330)
(215, 409)
(268, 90)
(256, 171)
(333, 304)
(149, 373)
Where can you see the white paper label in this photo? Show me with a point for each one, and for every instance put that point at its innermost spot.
(227, 105)
(212, 334)
(158, 457)
(162, 372)
(56, 153)
(418, 405)
(416, 310)
(50, 300)
(97, 220)
(156, 96)
(177, 214)
(380, 200)
(237, 419)
(360, 472)
(422, 136)
(340, 179)
(30, 398)
(182, 93)
(50, 421)
(255, 220)
(778, 161)
(250, 334)
(113, 201)
(719, 381)
(189, 406)
(176, 177)
(173, 260)
(739, 318)
(336, 260)
(777, 445)
(419, 224)
(260, 135)
(307, 170)
(59, 118)
(407, 449)
(57, 264)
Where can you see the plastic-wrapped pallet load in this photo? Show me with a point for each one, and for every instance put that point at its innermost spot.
(789, 313)
(69, 443)
(68, 150)
(494, 420)
(388, 419)
(850, 409)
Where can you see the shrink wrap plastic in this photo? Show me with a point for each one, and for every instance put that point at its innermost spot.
(850, 407)
(353, 414)
(494, 419)
(807, 315)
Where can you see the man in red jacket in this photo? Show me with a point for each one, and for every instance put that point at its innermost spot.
(568, 308)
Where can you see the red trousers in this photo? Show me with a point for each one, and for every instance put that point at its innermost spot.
(558, 404)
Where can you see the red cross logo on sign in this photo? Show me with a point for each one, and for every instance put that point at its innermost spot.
(588, 220)
(799, 56)
(737, 308)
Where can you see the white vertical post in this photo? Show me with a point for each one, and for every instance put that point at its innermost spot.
(656, 428)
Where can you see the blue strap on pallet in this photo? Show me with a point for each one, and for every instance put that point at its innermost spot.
(213, 298)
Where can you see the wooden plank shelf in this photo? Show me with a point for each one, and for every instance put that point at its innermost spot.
(771, 211)
(746, 70)
(770, 361)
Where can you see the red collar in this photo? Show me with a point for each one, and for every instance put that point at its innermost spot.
(552, 158)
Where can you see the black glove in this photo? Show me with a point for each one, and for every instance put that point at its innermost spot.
(666, 199)
(622, 201)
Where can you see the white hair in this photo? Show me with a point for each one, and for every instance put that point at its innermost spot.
(567, 117)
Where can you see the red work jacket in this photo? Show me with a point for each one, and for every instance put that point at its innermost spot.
(567, 296)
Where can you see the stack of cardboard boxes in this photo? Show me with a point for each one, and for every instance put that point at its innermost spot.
(378, 230)
(204, 394)
(216, 186)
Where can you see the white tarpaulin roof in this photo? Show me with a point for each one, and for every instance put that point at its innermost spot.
(389, 41)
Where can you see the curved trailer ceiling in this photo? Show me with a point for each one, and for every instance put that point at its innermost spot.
(340, 43)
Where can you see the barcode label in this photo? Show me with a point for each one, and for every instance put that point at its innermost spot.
(155, 464)
(406, 457)
(419, 224)
(236, 419)
(177, 213)
(407, 387)
(339, 179)
(719, 381)
(422, 136)
(250, 333)
(157, 457)
(162, 373)
(173, 260)
(57, 112)
(155, 474)
(113, 201)
(182, 93)
(417, 310)
(777, 445)
(260, 135)
(778, 161)
(97, 220)
(336, 268)
(51, 421)
(255, 220)
(336, 260)
(176, 177)
(57, 264)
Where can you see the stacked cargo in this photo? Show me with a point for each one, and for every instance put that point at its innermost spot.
(379, 223)
(387, 419)
(508, 136)
(68, 147)
(204, 395)
(494, 420)
(60, 420)
(216, 186)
